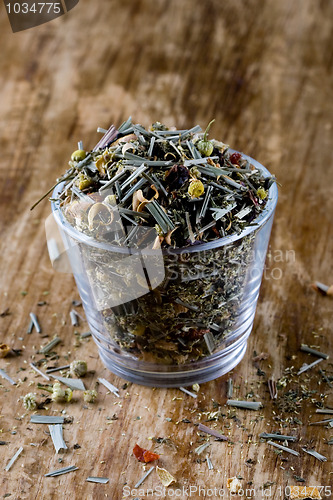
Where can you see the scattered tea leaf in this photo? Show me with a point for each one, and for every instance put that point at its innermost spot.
(246, 405)
(101, 480)
(144, 477)
(283, 448)
(13, 459)
(59, 472)
(57, 437)
(212, 432)
(109, 386)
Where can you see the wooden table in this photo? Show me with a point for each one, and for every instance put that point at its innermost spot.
(263, 69)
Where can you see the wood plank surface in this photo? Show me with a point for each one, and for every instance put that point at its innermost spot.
(263, 70)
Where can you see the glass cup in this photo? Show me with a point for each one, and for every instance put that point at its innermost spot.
(167, 317)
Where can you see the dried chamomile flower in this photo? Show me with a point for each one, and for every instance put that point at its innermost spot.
(78, 155)
(204, 146)
(262, 193)
(195, 172)
(196, 188)
(90, 396)
(60, 395)
(84, 181)
(78, 368)
(29, 401)
(196, 387)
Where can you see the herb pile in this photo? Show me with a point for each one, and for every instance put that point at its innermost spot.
(192, 190)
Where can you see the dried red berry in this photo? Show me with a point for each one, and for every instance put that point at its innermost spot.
(235, 157)
(195, 333)
(144, 455)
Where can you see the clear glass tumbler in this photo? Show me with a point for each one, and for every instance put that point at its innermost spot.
(183, 322)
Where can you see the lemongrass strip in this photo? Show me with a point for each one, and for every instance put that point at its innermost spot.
(306, 367)
(45, 419)
(34, 367)
(35, 322)
(101, 480)
(74, 318)
(279, 437)
(212, 432)
(58, 368)
(283, 448)
(109, 386)
(144, 477)
(326, 411)
(85, 335)
(306, 348)
(4, 375)
(188, 392)
(73, 383)
(320, 422)
(30, 326)
(13, 459)
(58, 472)
(50, 345)
(315, 454)
(57, 437)
(230, 388)
(209, 463)
(210, 342)
(325, 377)
(201, 448)
(246, 405)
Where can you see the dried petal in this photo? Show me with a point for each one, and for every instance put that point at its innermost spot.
(234, 484)
(127, 147)
(4, 350)
(78, 210)
(99, 214)
(165, 477)
(139, 201)
(100, 165)
(168, 236)
(126, 138)
(144, 455)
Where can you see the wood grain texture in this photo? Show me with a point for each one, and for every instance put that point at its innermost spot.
(263, 69)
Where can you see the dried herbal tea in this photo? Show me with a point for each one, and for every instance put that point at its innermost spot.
(176, 192)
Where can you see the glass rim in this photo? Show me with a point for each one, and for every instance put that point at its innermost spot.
(258, 222)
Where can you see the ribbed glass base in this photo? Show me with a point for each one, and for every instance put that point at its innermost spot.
(152, 375)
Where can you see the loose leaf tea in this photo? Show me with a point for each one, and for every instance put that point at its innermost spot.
(173, 190)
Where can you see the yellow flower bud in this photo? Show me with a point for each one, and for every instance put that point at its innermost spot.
(262, 193)
(196, 188)
(78, 155)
